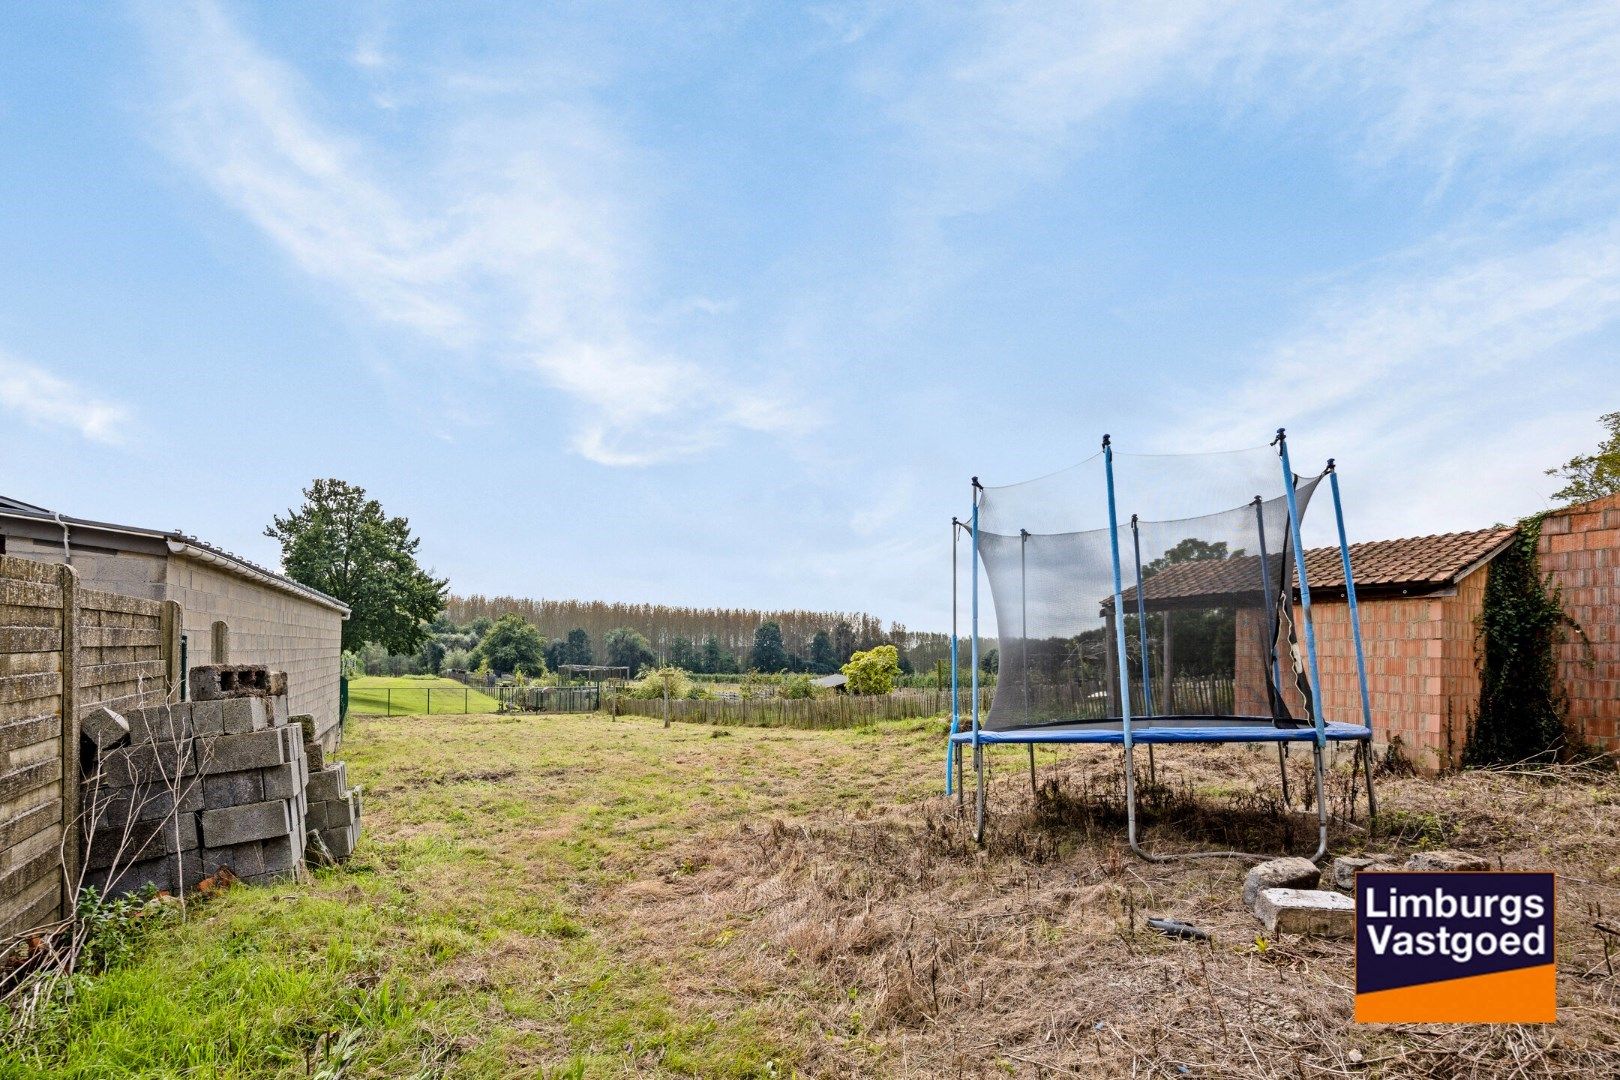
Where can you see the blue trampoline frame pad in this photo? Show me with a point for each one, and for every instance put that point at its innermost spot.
(1168, 730)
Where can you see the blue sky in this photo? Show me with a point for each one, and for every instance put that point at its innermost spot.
(723, 303)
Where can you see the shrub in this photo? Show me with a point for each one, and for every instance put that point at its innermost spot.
(797, 686)
(650, 686)
(873, 671)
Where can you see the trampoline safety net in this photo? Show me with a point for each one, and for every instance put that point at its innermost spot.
(1207, 579)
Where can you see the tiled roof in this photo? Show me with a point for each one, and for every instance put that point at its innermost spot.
(1414, 564)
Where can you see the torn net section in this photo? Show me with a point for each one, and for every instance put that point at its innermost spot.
(1209, 632)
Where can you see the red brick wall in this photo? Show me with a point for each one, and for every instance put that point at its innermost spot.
(1580, 549)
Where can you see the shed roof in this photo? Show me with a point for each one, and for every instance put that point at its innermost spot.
(1410, 566)
(178, 543)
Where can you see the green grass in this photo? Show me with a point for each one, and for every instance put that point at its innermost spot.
(407, 695)
(468, 937)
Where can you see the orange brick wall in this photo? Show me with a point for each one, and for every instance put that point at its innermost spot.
(1422, 678)
(1580, 549)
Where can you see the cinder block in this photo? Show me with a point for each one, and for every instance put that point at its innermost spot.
(1288, 873)
(161, 723)
(277, 684)
(250, 821)
(1447, 860)
(1345, 867)
(281, 781)
(282, 853)
(306, 724)
(329, 783)
(243, 860)
(169, 873)
(340, 842)
(278, 710)
(235, 753)
(340, 813)
(1306, 911)
(221, 790)
(144, 802)
(207, 718)
(314, 756)
(214, 682)
(245, 714)
(135, 841)
(148, 763)
(104, 727)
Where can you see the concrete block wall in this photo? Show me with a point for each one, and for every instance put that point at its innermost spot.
(1579, 549)
(268, 627)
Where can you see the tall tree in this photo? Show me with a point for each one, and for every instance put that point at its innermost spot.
(683, 654)
(1592, 476)
(623, 647)
(768, 653)
(512, 644)
(716, 661)
(342, 543)
(823, 661)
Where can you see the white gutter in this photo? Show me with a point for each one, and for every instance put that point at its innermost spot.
(253, 573)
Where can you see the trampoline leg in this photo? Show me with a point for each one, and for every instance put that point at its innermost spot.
(1153, 768)
(1372, 797)
(978, 795)
(961, 781)
(1282, 769)
(1034, 787)
(1321, 806)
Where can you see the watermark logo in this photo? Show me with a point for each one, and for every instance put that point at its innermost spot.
(1455, 948)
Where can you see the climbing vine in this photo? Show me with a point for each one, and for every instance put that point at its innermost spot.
(1522, 708)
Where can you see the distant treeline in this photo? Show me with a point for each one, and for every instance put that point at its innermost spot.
(734, 628)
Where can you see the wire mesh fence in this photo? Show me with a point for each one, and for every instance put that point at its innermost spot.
(833, 711)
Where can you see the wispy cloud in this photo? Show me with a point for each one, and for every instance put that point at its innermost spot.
(46, 400)
(516, 243)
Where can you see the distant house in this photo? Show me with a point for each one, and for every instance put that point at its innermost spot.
(233, 611)
(832, 682)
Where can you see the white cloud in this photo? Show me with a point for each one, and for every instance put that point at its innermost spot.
(516, 242)
(44, 399)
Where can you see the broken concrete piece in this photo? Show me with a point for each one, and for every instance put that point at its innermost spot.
(1289, 873)
(1306, 911)
(1447, 860)
(105, 728)
(1345, 867)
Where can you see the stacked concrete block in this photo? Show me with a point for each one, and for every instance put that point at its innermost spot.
(334, 814)
(215, 782)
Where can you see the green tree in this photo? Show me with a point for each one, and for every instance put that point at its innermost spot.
(716, 660)
(873, 671)
(342, 543)
(512, 643)
(431, 656)
(768, 653)
(623, 647)
(1592, 476)
(823, 661)
(683, 654)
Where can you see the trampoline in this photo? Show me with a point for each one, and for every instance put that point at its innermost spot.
(1176, 626)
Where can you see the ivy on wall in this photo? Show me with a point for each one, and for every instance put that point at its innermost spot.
(1522, 708)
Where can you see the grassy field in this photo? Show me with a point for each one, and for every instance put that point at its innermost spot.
(408, 694)
(573, 896)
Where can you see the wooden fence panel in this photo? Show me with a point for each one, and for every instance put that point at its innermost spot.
(64, 650)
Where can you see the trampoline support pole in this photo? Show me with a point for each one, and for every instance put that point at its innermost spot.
(1372, 797)
(973, 679)
(1355, 634)
(1321, 805)
(1120, 665)
(956, 696)
(1304, 590)
(1153, 768)
(1282, 770)
(961, 781)
(1034, 786)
